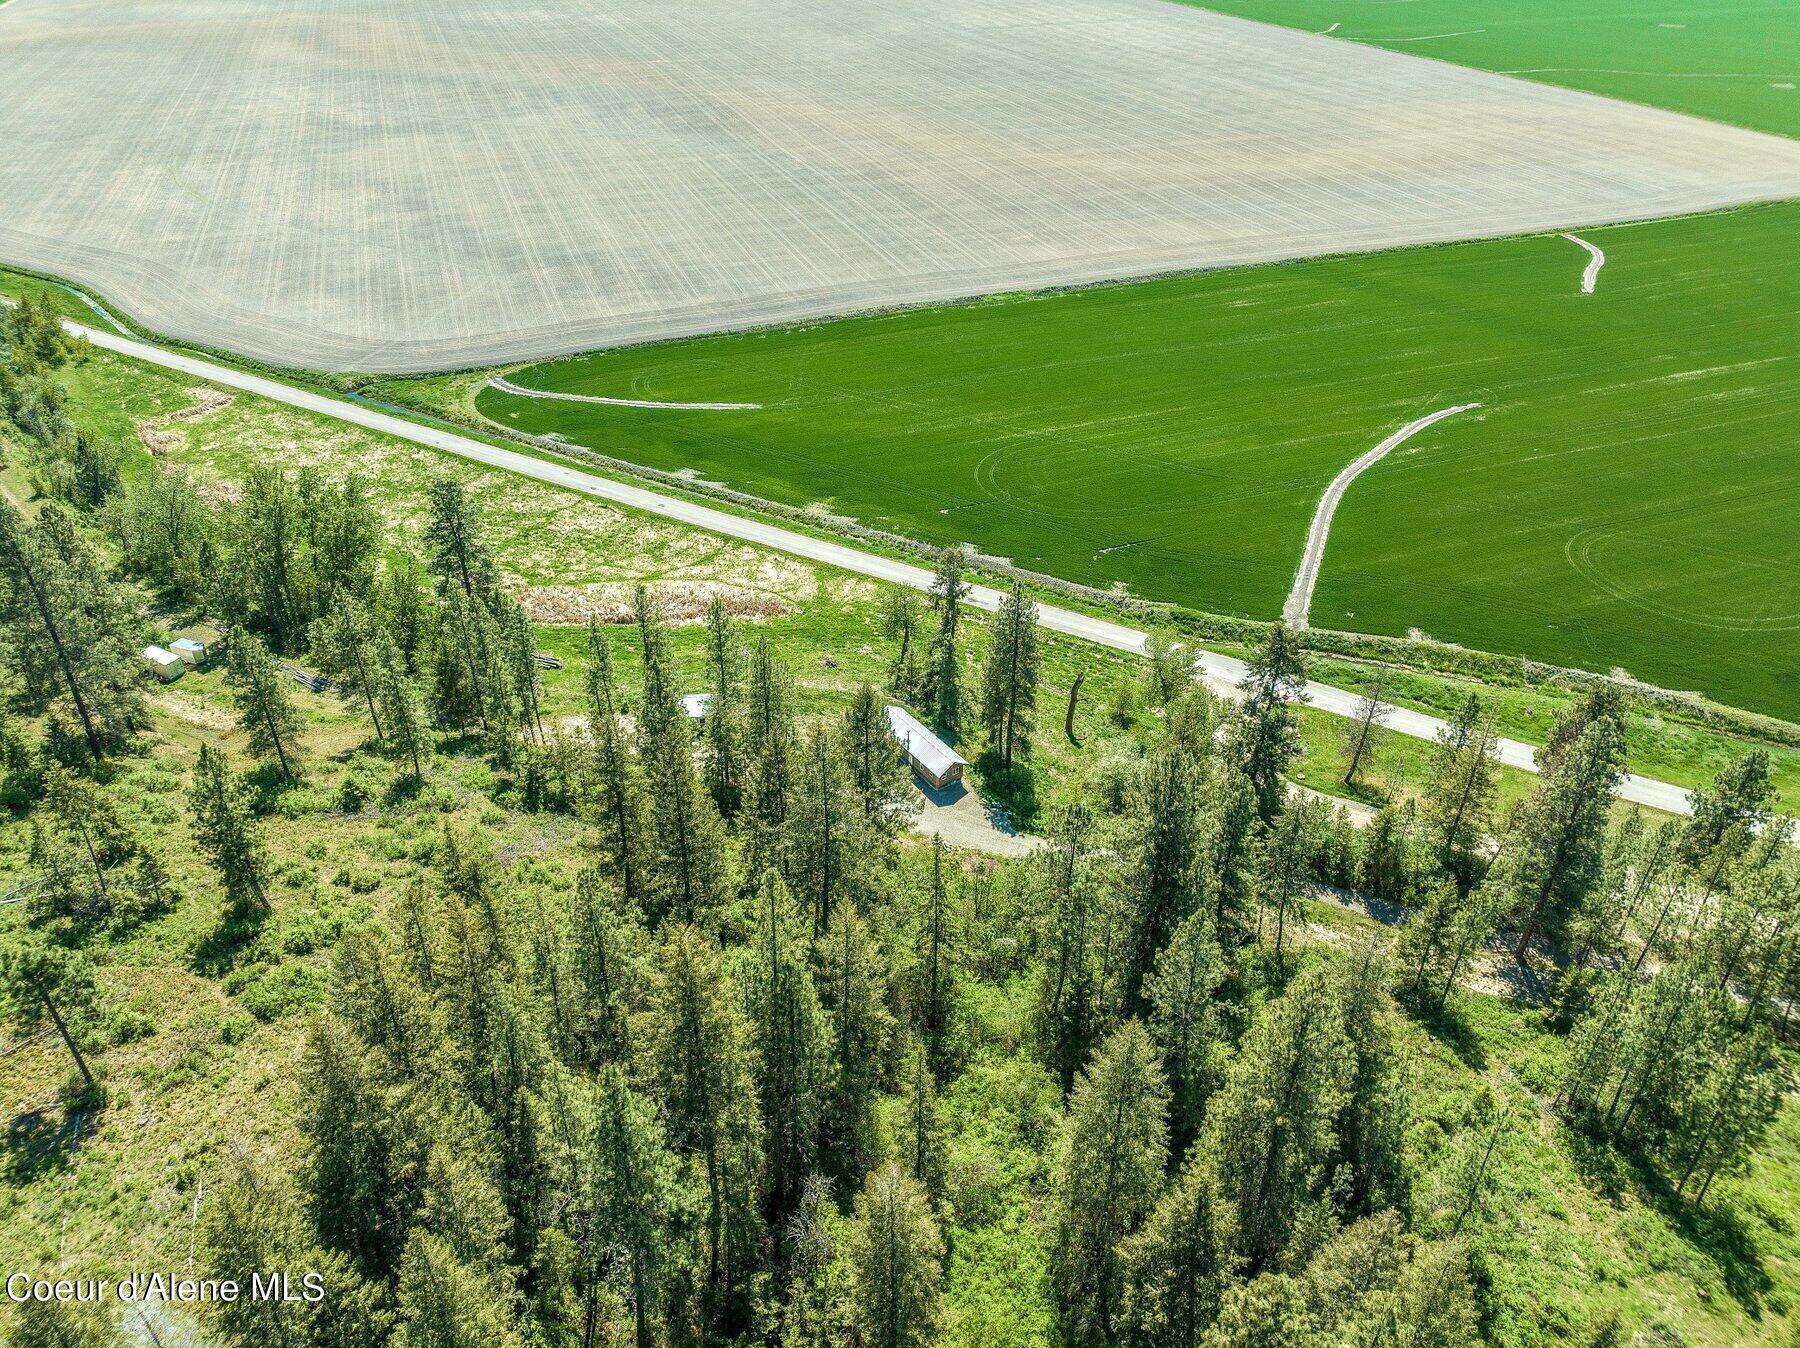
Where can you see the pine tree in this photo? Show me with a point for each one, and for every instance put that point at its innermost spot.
(941, 686)
(459, 556)
(609, 961)
(932, 976)
(266, 585)
(251, 1226)
(1075, 909)
(1284, 862)
(222, 808)
(703, 1069)
(1265, 733)
(1009, 679)
(1166, 876)
(404, 609)
(874, 762)
(344, 644)
(896, 1255)
(41, 982)
(1729, 1114)
(1463, 778)
(368, 1144)
(459, 664)
(634, 1195)
(95, 473)
(1741, 800)
(1465, 1181)
(516, 651)
(344, 537)
(772, 747)
(725, 767)
(615, 792)
(852, 980)
(1175, 1270)
(1270, 1311)
(1554, 852)
(1228, 833)
(1107, 1174)
(402, 716)
(96, 863)
(659, 705)
(1597, 926)
(790, 1036)
(72, 636)
(1361, 744)
(265, 709)
(445, 1303)
(1273, 1124)
(923, 1144)
(689, 877)
(900, 624)
(827, 841)
(1185, 1022)
(1369, 1165)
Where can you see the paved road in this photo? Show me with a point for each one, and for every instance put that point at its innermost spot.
(1223, 672)
(1299, 601)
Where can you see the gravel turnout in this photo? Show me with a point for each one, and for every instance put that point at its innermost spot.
(387, 185)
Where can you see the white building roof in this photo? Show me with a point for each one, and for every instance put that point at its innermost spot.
(695, 705)
(925, 748)
(156, 655)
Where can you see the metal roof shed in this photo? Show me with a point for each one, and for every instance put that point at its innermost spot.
(930, 757)
(165, 664)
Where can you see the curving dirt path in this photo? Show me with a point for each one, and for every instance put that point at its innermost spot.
(507, 386)
(1596, 260)
(1299, 601)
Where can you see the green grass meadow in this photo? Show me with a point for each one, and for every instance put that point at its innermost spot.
(1734, 61)
(1623, 499)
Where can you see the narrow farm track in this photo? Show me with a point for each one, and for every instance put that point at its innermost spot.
(1596, 260)
(517, 390)
(1223, 672)
(1298, 608)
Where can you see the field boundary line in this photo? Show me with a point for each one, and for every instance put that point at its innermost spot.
(1596, 260)
(1296, 612)
(505, 385)
(1224, 673)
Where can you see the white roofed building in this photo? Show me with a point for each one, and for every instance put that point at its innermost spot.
(929, 756)
(165, 664)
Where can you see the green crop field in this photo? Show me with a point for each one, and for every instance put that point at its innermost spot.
(1624, 498)
(1734, 61)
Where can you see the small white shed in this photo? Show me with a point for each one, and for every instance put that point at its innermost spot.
(929, 756)
(165, 664)
(695, 705)
(191, 651)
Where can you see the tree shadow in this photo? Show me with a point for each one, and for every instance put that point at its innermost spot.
(1450, 1027)
(38, 1143)
(1720, 1234)
(402, 789)
(1013, 790)
(270, 784)
(1614, 1172)
(219, 952)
